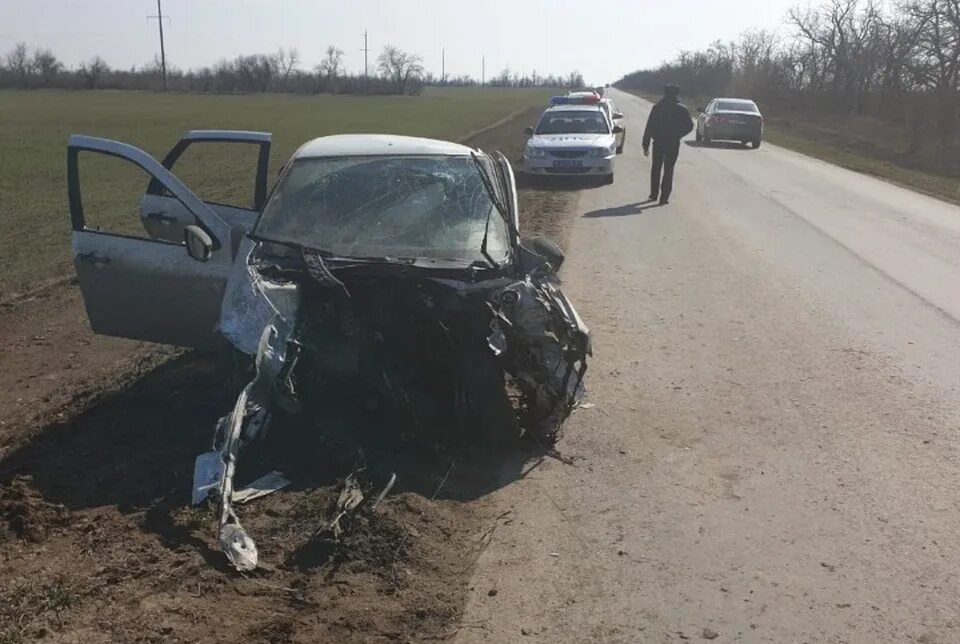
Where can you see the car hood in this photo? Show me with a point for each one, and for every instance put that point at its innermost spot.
(571, 140)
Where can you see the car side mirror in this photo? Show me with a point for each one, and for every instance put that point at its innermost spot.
(617, 116)
(618, 129)
(528, 131)
(548, 249)
(198, 242)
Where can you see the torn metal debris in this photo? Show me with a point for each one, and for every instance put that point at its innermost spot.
(266, 484)
(349, 500)
(384, 492)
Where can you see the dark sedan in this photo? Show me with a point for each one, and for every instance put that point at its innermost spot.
(730, 119)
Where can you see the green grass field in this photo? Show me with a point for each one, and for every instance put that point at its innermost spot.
(34, 126)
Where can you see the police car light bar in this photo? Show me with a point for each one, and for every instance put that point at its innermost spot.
(591, 99)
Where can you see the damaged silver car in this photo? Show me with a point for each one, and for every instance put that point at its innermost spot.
(381, 271)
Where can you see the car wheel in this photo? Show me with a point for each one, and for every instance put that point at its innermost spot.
(607, 180)
(756, 143)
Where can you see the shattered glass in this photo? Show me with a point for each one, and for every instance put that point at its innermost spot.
(395, 206)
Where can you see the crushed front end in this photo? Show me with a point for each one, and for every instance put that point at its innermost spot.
(446, 346)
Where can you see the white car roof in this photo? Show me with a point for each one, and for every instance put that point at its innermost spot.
(581, 94)
(574, 108)
(736, 100)
(345, 145)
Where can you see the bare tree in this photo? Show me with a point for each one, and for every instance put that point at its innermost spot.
(400, 72)
(332, 64)
(20, 63)
(503, 79)
(46, 64)
(255, 73)
(287, 61)
(93, 70)
(936, 66)
(399, 67)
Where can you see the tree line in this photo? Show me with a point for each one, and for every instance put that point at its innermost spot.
(898, 62)
(395, 72)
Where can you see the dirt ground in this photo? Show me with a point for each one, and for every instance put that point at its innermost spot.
(97, 539)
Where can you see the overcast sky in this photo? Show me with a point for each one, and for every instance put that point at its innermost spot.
(602, 39)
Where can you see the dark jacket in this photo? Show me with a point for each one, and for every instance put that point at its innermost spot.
(669, 121)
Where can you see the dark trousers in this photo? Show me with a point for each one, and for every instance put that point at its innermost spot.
(665, 155)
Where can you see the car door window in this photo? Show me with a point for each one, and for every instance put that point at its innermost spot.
(109, 193)
(227, 169)
(220, 173)
(223, 167)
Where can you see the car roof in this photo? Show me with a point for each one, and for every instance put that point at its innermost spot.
(377, 145)
(742, 100)
(574, 108)
(581, 94)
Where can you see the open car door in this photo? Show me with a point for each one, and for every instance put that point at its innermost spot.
(143, 288)
(164, 217)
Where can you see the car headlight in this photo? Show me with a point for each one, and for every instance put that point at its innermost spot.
(604, 152)
(535, 153)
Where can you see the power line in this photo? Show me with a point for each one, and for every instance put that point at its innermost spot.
(163, 53)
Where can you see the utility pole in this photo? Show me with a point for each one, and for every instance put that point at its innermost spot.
(443, 65)
(366, 51)
(163, 53)
(483, 70)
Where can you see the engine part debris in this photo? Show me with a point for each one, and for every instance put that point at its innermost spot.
(383, 493)
(275, 358)
(266, 484)
(349, 500)
(239, 547)
(207, 474)
(234, 541)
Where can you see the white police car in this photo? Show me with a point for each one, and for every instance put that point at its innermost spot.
(572, 138)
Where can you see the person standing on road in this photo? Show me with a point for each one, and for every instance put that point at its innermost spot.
(668, 123)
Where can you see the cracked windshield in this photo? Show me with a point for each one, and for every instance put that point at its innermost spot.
(430, 207)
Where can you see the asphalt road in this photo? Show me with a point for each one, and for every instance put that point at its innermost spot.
(773, 454)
